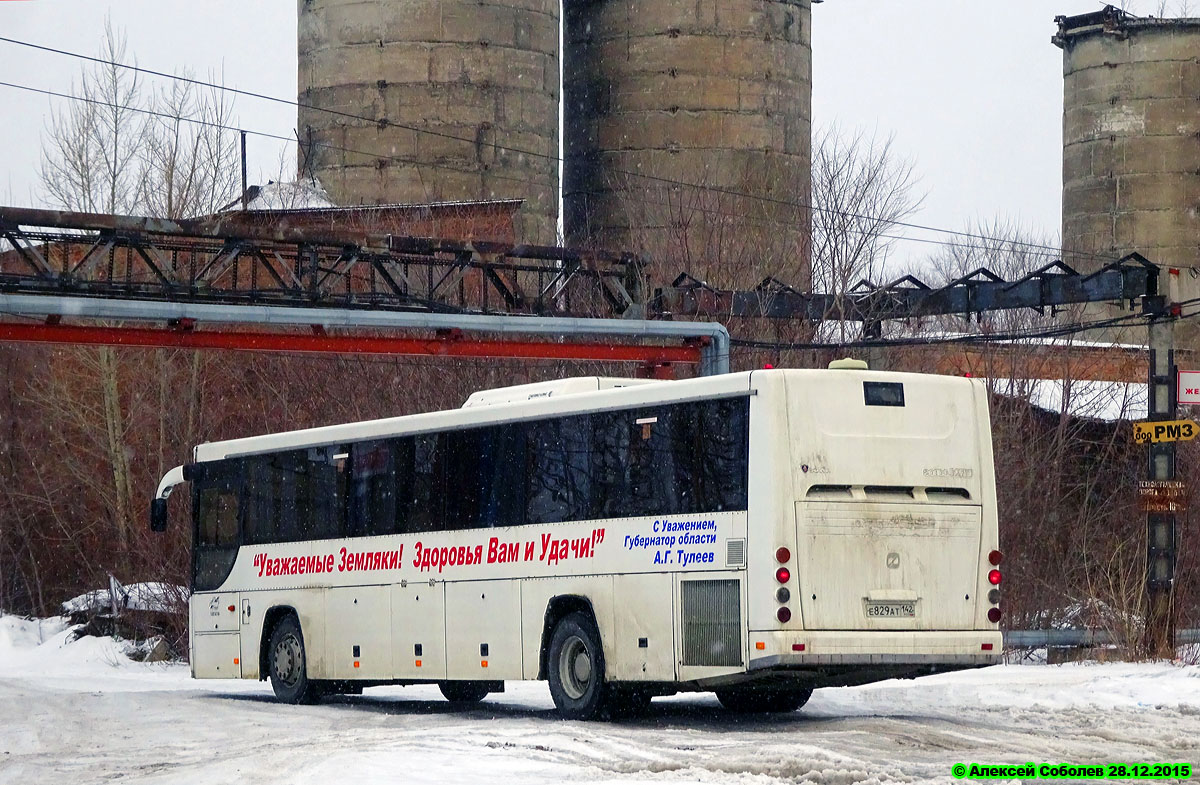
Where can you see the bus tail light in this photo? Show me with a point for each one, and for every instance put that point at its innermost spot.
(784, 615)
(994, 577)
(783, 555)
(995, 557)
(783, 575)
(985, 647)
(994, 615)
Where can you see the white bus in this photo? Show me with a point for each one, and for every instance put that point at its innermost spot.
(756, 534)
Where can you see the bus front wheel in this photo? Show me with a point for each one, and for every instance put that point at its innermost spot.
(748, 701)
(287, 664)
(575, 667)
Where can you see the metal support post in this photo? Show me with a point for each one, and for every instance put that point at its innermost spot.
(1160, 526)
(876, 355)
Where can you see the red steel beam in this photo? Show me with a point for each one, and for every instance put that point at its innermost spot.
(449, 346)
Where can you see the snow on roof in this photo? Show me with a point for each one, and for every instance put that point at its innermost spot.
(288, 196)
(1083, 398)
(310, 196)
(151, 596)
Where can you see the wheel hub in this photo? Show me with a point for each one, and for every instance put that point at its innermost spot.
(286, 661)
(575, 666)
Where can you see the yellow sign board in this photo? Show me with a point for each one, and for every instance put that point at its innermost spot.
(1165, 431)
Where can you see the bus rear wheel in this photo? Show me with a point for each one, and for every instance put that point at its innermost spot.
(575, 667)
(463, 691)
(752, 701)
(287, 664)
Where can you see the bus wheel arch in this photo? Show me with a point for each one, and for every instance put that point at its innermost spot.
(270, 620)
(557, 609)
(287, 661)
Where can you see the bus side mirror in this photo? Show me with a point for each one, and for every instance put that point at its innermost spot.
(158, 515)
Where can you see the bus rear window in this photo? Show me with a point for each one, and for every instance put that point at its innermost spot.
(883, 393)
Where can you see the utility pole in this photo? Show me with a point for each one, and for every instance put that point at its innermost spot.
(245, 201)
(1161, 404)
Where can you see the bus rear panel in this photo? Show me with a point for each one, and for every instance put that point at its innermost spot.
(875, 560)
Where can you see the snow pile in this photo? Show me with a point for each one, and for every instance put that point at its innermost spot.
(47, 647)
(150, 596)
(1073, 686)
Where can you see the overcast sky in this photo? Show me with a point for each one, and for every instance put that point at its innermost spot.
(971, 91)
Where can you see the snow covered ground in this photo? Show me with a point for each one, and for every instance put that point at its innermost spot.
(81, 713)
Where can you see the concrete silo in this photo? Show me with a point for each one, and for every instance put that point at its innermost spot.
(1131, 140)
(475, 85)
(715, 93)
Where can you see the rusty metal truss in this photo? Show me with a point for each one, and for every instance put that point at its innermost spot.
(212, 261)
(82, 254)
(1131, 281)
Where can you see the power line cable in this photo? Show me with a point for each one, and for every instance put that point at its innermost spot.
(547, 156)
(633, 197)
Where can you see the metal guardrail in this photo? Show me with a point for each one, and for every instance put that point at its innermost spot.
(1038, 638)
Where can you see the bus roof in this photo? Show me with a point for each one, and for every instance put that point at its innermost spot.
(529, 402)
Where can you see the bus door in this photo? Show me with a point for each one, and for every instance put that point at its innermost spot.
(216, 614)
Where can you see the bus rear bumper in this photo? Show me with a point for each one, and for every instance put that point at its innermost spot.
(971, 648)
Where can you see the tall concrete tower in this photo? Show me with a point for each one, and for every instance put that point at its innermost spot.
(474, 83)
(715, 93)
(1131, 140)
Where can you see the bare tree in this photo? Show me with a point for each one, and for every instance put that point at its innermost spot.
(121, 417)
(189, 157)
(91, 148)
(860, 190)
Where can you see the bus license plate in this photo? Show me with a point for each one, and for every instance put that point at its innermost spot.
(892, 610)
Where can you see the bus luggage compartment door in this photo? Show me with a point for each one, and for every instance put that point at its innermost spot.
(879, 566)
(216, 655)
(358, 632)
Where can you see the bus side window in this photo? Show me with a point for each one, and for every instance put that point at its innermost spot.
(502, 483)
(217, 513)
(609, 464)
(372, 502)
(320, 493)
(559, 473)
(722, 473)
(463, 480)
(262, 502)
(427, 491)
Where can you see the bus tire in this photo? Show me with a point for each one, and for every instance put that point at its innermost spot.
(575, 668)
(463, 691)
(287, 664)
(751, 701)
